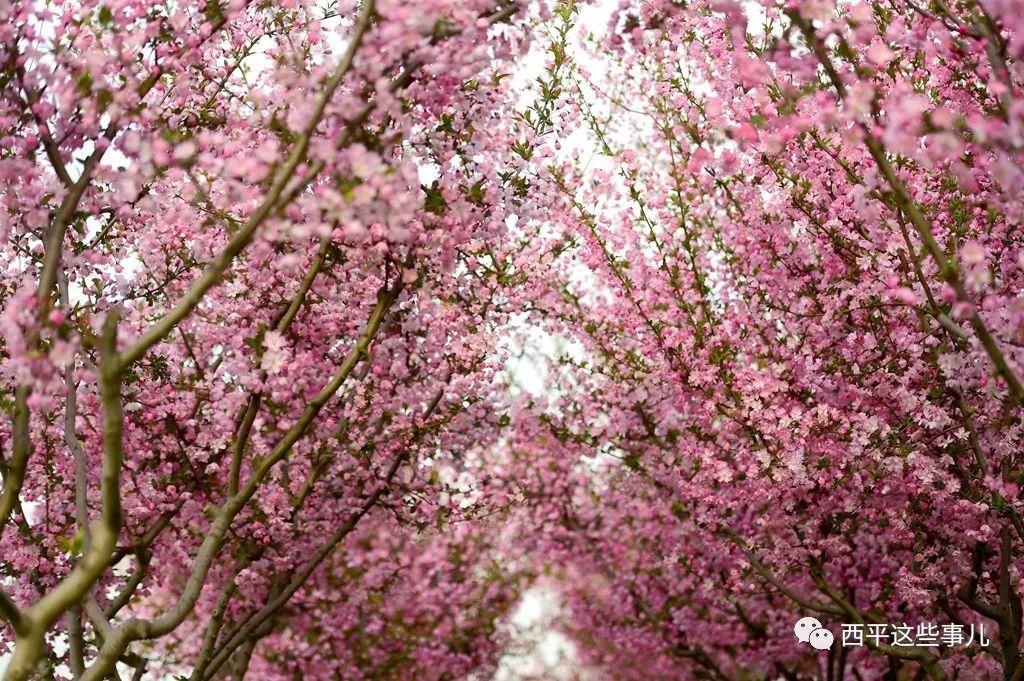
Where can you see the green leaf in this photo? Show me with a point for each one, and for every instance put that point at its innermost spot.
(105, 16)
(84, 83)
(214, 11)
(434, 202)
(476, 193)
(105, 98)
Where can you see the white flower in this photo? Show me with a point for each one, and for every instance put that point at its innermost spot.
(276, 354)
(274, 341)
(272, 361)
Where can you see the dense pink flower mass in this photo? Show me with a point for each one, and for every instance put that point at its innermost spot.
(244, 336)
(268, 269)
(793, 288)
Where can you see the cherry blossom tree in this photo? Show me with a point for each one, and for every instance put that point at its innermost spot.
(786, 271)
(266, 264)
(249, 300)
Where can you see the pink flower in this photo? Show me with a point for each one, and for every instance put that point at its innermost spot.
(879, 53)
(972, 252)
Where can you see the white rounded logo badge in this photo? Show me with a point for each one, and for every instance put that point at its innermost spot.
(810, 630)
(822, 639)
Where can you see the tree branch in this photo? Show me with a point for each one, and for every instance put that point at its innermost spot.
(215, 270)
(136, 629)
